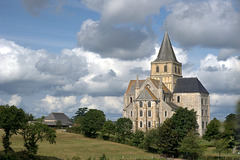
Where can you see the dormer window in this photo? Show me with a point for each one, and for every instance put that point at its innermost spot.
(157, 69)
(165, 68)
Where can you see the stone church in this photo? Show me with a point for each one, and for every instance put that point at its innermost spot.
(149, 102)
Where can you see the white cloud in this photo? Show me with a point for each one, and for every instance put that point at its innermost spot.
(212, 23)
(126, 11)
(15, 100)
(57, 104)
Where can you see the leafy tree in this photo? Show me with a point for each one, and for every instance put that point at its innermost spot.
(190, 146)
(12, 119)
(138, 138)
(221, 146)
(151, 140)
(92, 122)
(213, 130)
(167, 138)
(123, 128)
(175, 129)
(32, 133)
(30, 117)
(40, 119)
(81, 112)
(238, 120)
(108, 127)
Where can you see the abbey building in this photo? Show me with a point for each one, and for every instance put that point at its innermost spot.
(150, 101)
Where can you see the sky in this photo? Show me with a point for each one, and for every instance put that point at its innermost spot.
(61, 55)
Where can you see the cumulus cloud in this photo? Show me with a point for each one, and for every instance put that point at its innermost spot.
(213, 23)
(116, 41)
(220, 76)
(126, 11)
(57, 104)
(15, 100)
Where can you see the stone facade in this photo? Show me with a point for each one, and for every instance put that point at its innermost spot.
(149, 102)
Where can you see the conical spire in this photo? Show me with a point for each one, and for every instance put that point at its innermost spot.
(166, 52)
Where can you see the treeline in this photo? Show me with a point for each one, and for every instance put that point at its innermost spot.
(177, 136)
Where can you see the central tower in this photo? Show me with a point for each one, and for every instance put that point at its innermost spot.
(165, 66)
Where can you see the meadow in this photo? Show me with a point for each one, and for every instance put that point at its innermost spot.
(71, 145)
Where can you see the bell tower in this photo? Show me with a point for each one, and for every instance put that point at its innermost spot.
(166, 66)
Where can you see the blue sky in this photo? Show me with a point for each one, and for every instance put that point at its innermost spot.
(57, 56)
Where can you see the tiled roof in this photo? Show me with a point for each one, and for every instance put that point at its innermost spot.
(189, 85)
(173, 106)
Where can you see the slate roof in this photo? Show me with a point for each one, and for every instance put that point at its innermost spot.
(58, 117)
(173, 106)
(166, 52)
(189, 85)
(146, 94)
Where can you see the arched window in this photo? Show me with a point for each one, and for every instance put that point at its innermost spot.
(140, 104)
(175, 69)
(178, 70)
(141, 113)
(149, 103)
(131, 113)
(205, 101)
(149, 124)
(165, 113)
(130, 99)
(178, 98)
(202, 125)
(165, 68)
(201, 100)
(140, 124)
(157, 69)
(149, 113)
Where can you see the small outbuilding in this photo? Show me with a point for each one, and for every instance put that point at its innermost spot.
(52, 119)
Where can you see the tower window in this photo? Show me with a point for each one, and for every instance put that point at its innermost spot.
(202, 112)
(178, 70)
(175, 69)
(131, 113)
(206, 112)
(140, 104)
(140, 124)
(149, 113)
(149, 124)
(141, 113)
(201, 100)
(130, 99)
(178, 98)
(157, 69)
(202, 125)
(205, 101)
(165, 68)
(165, 113)
(149, 103)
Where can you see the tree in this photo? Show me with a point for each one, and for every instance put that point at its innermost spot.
(12, 119)
(221, 146)
(190, 146)
(30, 117)
(32, 133)
(213, 130)
(138, 138)
(92, 122)
(80, 112)
(108, 127)
(151, 140)
(123, 128)
(175, 129)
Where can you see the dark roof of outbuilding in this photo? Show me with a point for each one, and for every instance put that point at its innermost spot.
(59, 117)
(166, 52)
(173, 106)
(189, 85)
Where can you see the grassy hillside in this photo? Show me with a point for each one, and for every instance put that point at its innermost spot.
(69, 145)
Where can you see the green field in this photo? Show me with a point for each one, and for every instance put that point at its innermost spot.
(69, 145)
